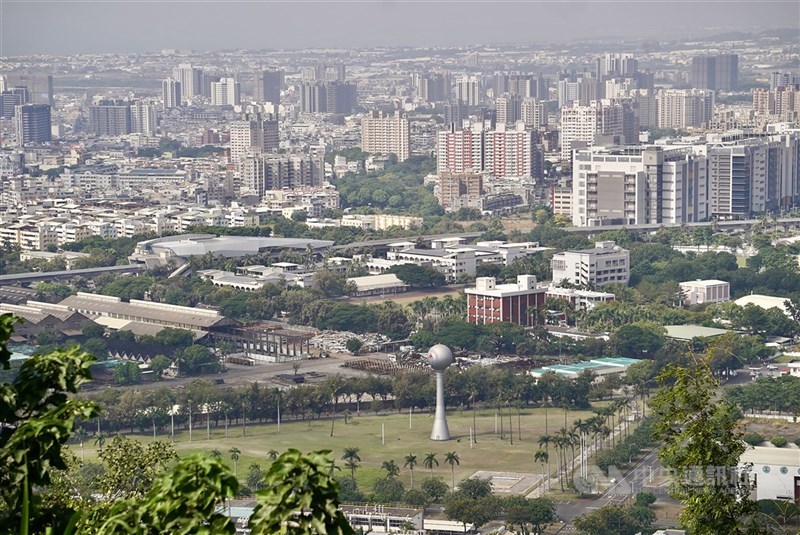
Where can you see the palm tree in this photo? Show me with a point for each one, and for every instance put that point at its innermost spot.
(429, 461)
(216, 454)
(543, 457)
(80, 436)
(546, 440)
(272, 454)
(235, 452)
(410, 462)
(351, 460)
(99, 441)
(392, 470)
(624, 406)
(452, 459)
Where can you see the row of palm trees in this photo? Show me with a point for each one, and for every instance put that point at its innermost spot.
(352, 462)
(236, 454)
(586, 435)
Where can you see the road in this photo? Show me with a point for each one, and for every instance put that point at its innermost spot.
(639, 478)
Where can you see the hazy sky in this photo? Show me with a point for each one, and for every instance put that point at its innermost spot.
(67, 27)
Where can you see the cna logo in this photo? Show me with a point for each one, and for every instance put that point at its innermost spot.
(597, 482)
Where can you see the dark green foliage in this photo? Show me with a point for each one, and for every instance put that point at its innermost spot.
(626, 451)
(698, 434)
(754, 439)
(388, 490)
(638, 340)
(434, 488)
(37, 418)
(418, 276)
(779, 442)
(185, 500)
(528, 516)
(127, 373)
(472, 503)
(780, 394)
(415, 498)
(297, 483)
(616, 520)
(399, 187)
(353, 345)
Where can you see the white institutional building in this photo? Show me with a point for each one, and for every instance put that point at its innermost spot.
(705, 291)
(638, 185)
(607, 262)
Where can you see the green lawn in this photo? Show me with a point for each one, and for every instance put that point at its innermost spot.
(364, 432)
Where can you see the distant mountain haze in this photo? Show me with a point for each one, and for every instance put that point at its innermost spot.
(70, 27)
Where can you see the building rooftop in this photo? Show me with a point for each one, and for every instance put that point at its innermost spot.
(708, 282)
(371, 282)
(689, 332)
(764, 301)
(230, 246)
(788, 456)
(94, 304)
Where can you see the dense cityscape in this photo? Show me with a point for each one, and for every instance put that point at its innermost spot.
(526, 288)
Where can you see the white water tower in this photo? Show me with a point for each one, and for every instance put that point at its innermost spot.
(439, 358)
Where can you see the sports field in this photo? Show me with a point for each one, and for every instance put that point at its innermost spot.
(489, 453)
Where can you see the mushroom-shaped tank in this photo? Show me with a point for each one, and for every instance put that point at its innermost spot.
(440, 357)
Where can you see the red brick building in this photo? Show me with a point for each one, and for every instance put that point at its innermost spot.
(489, 302)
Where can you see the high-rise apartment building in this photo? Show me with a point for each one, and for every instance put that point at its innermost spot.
(726, 73)
(468, 90)
(512, 152)
(779, 79)
(383, 134)
(682, 108)
(645, 107)
(206, 81)
(616, 65)
(526, 85)
(704, 72)
(32, 124)
(110, 118)
(39, 87)
(328, 97)
(267, 87)
(715, 72)
(460, 150)
(254, 134)
(454, 114)
(143, 118)
(190, 78)
(533, 113)
(454, 187)
(171, 92)
(509, 108)
(782, 103)
(636, 186)
(432, 87)
(225, 92)
(341, 97)
(584, 124)
(582, 90)
(261, 173)
(10, 99)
